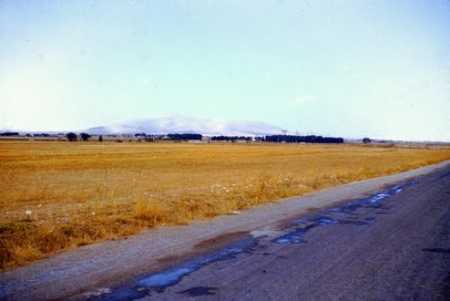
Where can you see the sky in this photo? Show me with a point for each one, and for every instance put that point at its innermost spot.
(376, 68)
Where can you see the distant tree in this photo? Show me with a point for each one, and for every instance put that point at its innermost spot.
(85, 136)
(302, 139)
(181, 137)
(10, 134)
(41, 135)
(100, 138)
(231, 138)
(366, 140)
(71, 136)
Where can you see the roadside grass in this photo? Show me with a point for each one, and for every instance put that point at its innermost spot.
(58, 196)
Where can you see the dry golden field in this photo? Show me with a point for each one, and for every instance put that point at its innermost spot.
(60, 195)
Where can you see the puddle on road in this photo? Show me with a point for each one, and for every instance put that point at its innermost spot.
(344, 215)
(437, 250)
(158, 282)
(199, 291)
(169, 277)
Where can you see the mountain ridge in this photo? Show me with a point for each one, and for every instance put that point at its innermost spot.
(183, 124)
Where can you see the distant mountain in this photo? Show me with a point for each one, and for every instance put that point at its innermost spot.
(182, 124)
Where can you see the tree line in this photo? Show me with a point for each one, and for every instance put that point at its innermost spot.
(230, 138)
(190, 136)
(303, 139)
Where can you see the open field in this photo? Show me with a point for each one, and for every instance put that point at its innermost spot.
(58, 195)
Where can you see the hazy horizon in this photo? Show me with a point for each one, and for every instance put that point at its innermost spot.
(331, 67)
(281, 131)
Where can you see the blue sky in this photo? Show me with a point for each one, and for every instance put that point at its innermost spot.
(332, 67)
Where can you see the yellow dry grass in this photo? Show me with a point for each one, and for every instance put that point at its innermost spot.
(57, 195)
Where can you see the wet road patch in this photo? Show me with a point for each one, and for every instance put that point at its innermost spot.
(159, 281)
(437, 250)
(346, 214)
(199, 291)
